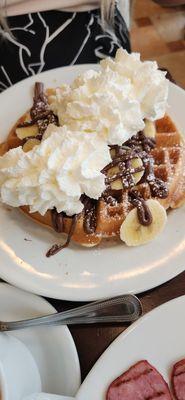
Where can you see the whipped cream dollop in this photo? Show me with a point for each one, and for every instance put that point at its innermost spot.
(114, 101)
(149, 84)
(55, 173)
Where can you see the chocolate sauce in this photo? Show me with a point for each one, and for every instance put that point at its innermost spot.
(124, 155)
(168, 75)
(138, 146)
(40, 103)
(34, 120)
(143, 211)
(157, 186)
(58, 223)
(141, 142)
(89, 221)
(126, 174)
(123, 160)
(112, 197)
(57, 219)
(40, 112)
(43, 123)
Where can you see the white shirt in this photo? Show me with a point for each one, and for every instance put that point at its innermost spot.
(18, 7)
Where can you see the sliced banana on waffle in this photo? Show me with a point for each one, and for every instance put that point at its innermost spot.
(118, 184)
(150, 129)
(135, 234)
(137, 163)
(30, 144)
(27, 131)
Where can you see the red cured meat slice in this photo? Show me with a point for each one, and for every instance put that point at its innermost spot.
(178, 380)
(141, 382)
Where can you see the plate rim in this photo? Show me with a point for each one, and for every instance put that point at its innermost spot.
(35, 286)
(44, 292)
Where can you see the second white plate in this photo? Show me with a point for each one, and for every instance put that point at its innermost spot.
(158, 338)
(77, 273)
(52, 348)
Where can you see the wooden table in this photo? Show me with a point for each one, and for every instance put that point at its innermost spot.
(91, 341)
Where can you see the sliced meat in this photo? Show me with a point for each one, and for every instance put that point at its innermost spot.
(178, 380)
(141, 382)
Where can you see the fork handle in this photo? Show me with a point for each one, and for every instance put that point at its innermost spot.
(126, 308)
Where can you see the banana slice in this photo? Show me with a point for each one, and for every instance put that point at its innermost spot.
(118, 184)
(136, 163)
(27, 131)
(150, 129)
(112, 153)
(30, 144)
(135, 234)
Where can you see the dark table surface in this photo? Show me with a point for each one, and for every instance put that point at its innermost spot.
(91, 341)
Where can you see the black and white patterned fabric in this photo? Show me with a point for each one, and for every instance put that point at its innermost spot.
(50, 39)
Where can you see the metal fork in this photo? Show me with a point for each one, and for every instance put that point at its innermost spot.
(126, 308)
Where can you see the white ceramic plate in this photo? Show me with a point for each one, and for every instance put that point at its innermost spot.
(52, 348)
(158, 338)
(79, 273)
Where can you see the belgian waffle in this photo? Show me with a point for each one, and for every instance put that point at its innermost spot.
(169, 156)
(103, 218)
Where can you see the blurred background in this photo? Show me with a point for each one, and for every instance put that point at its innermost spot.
(158, 33)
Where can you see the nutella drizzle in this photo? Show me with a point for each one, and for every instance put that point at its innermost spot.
(138, 146)
(57, 220)
(59, 225)
(143, 211)
(34, 120)
(40, 103)
(40, 112)
(89, 222)
(157, 186)
(126, 171)
(140, 141)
